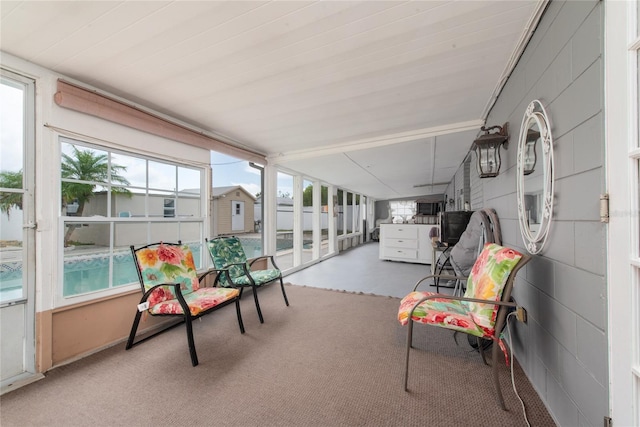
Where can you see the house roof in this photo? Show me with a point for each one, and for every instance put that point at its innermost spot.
(223, 191)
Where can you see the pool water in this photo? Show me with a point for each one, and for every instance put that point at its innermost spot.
(89, 272)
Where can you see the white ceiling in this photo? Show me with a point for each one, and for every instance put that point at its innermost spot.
(379, 97)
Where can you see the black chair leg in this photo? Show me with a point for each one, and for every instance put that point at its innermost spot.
(255, 297)
(240, 323)
(284, 294)
(134, 329)
(192, 345)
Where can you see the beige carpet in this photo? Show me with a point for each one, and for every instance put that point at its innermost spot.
(330, 359)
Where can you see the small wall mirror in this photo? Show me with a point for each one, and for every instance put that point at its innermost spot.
(535, 177)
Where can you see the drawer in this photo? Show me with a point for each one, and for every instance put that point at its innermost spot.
(401, 243)
(401, 232)
(399, 253)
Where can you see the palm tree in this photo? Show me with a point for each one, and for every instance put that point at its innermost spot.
(86, 165)
(8, 200)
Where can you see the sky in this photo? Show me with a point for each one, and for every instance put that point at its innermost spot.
(230, 171)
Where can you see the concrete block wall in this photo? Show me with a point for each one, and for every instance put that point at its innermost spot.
(563, 346)
(459, 188)
(466, 166)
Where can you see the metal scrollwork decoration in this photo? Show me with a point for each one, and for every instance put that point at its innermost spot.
(535, 177)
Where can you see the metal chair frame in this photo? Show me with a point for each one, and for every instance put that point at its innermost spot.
(503, 306)
(247, 272)
(186, 317)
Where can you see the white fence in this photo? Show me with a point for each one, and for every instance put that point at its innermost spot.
(285, 217)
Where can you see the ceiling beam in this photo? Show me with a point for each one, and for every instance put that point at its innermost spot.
(377, 141)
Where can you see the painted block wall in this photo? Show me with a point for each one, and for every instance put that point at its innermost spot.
(449, 203)
(563, 346)
(457, 189)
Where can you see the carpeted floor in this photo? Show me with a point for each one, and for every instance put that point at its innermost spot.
(330, 359)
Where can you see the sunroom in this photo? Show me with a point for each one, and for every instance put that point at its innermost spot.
(335, 117)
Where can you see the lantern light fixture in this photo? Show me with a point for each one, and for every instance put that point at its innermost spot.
(487, 147)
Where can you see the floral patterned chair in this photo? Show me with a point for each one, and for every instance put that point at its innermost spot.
(171, 287)
(480, 312)
(228, 255)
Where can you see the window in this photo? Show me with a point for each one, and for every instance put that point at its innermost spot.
(111, 200)
(309, 248)
(341, 216)
(325, 216)
(402, 210)
(350, 211)
(357, 212)
(169, 208)
(284, 221)
(230, 171)
(16, 186)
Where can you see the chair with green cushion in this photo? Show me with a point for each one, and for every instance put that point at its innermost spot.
(228, 254)
(171, 287)
(480, 312)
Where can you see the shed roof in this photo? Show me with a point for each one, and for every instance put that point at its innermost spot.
(220, 191)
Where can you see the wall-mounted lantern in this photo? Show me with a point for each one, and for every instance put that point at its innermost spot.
(487, 149)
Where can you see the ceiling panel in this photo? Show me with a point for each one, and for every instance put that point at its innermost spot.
(307, 77)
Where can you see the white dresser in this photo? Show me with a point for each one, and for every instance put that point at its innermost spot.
(406, 242)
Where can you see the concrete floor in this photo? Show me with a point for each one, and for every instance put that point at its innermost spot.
(360, 270)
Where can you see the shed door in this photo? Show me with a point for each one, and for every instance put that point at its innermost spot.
(237, 215)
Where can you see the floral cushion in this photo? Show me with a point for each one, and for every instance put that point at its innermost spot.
(198, 301)
(449, 314)
(487, 280)
(167, 264)
(488, 277)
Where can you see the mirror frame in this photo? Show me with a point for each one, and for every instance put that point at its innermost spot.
(536, 114)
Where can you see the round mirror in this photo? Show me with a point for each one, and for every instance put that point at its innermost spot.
(535, 177)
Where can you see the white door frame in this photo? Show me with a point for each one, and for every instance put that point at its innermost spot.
(24, 307)
(622, 158)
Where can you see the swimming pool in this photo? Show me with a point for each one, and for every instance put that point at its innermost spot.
(89, 271)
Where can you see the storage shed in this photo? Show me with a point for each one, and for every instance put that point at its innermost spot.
(232, 210)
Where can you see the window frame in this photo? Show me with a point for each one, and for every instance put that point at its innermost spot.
(112, 219)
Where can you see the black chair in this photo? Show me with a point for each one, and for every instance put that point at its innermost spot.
(228, 255)
(171, 287)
